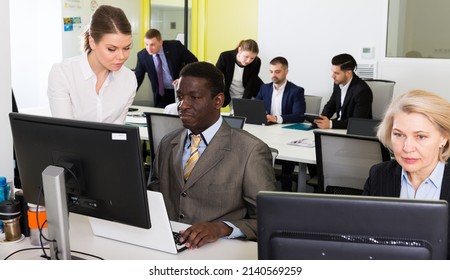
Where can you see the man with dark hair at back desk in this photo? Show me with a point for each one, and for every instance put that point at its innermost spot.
(163, 61)
(351, 97)
(209, 173)
(285, 103)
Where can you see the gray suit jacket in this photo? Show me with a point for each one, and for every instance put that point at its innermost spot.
(224, 183)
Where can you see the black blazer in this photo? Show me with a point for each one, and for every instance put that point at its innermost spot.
(177, 55)
(357, 103)
(385, 180)
(250, 78)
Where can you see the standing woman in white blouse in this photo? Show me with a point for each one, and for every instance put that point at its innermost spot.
(96, 86)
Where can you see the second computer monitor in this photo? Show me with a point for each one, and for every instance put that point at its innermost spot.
(330, 227)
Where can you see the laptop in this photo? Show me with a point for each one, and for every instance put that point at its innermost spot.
(159, 237)
(253, 110)
(234, 121)
(363, 127)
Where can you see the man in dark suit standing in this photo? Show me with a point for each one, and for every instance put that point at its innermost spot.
(209, 173)
(163, 61)
(351, 97)
(285, 103)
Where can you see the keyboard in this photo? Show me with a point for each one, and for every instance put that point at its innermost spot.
(176, 238)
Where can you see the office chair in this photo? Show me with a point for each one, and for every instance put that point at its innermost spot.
(313, 103)
(363, 127)
(274, 155)
(344, 161)
(158, 125)
(383, 91)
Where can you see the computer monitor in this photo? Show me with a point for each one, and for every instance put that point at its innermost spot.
(329, 227)
(234, 121)
(364, 127)
(101, 164)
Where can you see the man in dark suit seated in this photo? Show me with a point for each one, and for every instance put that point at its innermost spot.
(163, 61)
(351, 97)
(208, 172)
(285, 103)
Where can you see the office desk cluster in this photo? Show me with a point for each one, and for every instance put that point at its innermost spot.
(82, 239)
(275, 136)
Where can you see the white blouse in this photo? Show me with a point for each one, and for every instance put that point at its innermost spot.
(72, 94)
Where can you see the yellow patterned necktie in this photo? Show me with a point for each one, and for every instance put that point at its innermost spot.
(194, 156)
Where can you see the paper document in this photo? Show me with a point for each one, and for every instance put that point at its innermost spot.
(305, 142)
(136, 119)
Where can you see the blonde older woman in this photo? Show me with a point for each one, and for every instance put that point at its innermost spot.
(416, 128)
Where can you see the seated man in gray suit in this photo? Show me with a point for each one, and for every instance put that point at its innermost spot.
(208, 172)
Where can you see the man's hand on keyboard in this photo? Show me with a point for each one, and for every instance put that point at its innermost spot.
(199, 234)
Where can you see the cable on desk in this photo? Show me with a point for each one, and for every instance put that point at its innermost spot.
(28, 249)
(87, 254)
(45, 256)
(40, 227)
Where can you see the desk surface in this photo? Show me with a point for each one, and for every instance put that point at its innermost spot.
(83, 240)
(275, 136)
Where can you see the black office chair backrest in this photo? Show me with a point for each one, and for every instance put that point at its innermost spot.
(235, 121)
(14, 103)
(363, 127)
(344, 161)
(158, 125)
(17, 182)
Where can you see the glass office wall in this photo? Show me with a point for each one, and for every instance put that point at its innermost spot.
(418, 29)
(172, 18)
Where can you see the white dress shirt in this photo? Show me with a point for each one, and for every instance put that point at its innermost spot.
(430, 189)
(72, 92)
(344, 89)
(277, 99)
(172, 109)
(167, 77)
(237, 86)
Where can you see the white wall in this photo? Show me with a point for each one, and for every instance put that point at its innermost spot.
(310, 33)
(6, 152)
(35, 45)
(307, 33)
(38, 41)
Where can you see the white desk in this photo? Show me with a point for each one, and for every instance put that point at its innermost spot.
(82, 239)
(275, 136)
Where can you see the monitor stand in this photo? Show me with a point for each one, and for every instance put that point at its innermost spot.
(57, 214)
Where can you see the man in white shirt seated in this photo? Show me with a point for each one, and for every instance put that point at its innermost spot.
(285, 103)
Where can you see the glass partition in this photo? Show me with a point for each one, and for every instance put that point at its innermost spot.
(171, 18)
(418, 29)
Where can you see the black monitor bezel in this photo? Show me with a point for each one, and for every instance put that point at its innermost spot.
(302, 226)
(123, 197)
